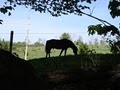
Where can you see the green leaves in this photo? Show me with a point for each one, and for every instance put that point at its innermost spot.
(103, 30)
(54, 7)
(114, 6)
(65, 36)
(1, 21)
(6, 9)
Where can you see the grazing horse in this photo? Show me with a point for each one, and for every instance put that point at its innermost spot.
(63, 44)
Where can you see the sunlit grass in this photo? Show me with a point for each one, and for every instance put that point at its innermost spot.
(39, 52)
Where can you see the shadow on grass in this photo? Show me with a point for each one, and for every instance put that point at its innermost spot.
(86, 72)
(82, 72)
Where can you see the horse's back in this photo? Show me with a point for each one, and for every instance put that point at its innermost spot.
(59, 44)
(53, 43)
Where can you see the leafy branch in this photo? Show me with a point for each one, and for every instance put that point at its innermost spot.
(104, 30)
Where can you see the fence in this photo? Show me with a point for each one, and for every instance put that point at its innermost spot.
(31, 38)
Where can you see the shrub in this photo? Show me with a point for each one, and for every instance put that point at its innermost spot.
(84, 49)
(5, 45)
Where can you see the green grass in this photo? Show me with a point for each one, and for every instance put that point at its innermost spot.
(101, 49)
(39, 52)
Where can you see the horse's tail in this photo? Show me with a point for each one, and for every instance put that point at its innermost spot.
(47, 47)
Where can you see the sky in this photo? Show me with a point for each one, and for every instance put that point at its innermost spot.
(45, 26)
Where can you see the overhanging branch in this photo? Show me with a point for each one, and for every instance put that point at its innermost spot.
(103, 21)
(114, 29)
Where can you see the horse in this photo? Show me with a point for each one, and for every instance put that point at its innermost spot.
(63, 44)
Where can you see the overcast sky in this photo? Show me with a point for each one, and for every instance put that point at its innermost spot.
(45, 26)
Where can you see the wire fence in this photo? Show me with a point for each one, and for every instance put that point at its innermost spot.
(33, 37)
(42, 37)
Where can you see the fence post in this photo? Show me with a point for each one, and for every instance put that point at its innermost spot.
(11, 40)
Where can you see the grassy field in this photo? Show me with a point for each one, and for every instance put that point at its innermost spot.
(80, 72)
(70, 62)
(91, 71)
(39, 52)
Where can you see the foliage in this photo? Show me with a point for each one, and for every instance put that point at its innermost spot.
(38, 43)
(114, 6)
(54, 7)
(84, 49)
(65, 36)
(115, 46)
(6, 9)
(107, 31)
(58, 7)
(103, 30)
(19, 44)
(4, 45)
(108, 28)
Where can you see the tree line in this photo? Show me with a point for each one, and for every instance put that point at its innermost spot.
(83, 46)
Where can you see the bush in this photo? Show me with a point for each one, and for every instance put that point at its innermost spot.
(84, 49)
(5, 45)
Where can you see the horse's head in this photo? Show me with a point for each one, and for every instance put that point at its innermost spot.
(75, 50)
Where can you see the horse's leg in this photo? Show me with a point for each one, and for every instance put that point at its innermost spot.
(48, 53)
(61, 52)
(65, 52)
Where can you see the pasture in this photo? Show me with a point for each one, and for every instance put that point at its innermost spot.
(39, 52)
(81, 72)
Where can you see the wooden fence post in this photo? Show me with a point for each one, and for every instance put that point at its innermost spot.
(11, 41)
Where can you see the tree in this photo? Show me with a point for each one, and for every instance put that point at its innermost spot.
(38, 42)
(65, 36)
(19, 44)
(58, 7)
(54, 7)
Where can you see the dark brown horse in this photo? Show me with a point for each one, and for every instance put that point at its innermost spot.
(63, 44)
